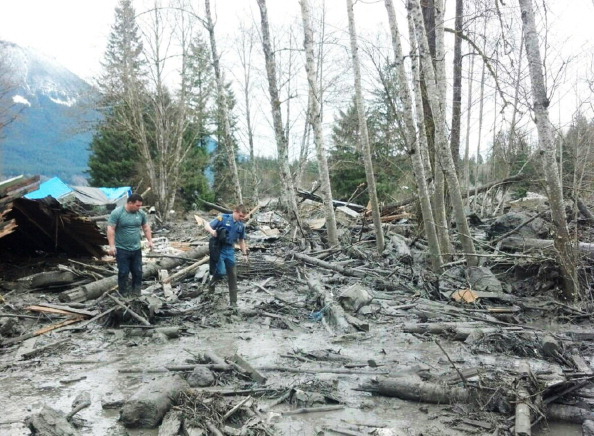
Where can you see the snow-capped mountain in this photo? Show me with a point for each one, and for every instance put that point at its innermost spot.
(55, 122)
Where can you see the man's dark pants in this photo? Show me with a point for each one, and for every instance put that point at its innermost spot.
(129, 262)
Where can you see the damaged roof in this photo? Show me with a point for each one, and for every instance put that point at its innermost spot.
(29, 226)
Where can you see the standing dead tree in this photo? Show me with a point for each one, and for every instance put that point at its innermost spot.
(414, 143)
(315, 119)
(364, 135)
(441, 142)
(563, 244)
(282, 142)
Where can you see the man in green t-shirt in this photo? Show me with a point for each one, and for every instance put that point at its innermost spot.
(123, 234)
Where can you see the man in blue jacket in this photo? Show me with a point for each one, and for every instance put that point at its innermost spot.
(226, 230)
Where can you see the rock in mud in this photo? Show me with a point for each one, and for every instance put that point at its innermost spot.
(50, 422)
(201, 377)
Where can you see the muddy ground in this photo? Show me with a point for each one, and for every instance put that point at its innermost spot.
(278, 328)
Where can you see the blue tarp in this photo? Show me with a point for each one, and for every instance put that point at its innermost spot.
(116, 193)
(54, 187)
(87, 195)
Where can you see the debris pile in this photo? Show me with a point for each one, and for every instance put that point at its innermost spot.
(344, 333)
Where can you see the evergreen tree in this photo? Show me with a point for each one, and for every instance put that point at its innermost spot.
(387, 146)
(114, 157)
(113, 160)
(223, 183)
(123, 65)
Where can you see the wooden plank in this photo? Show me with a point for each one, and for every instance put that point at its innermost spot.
(70, 310)
(51, 327)
(44, 309)
(9, 228)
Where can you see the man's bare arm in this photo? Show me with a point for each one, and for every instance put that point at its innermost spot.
(111, 240)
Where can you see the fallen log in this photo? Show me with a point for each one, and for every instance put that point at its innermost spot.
(96, 289)
(566, 413)
(147, 407)
(523, 425)
(518, 243)
(323, 264)
(414, 389)
(458, 331)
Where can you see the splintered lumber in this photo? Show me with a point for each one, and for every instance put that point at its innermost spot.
(70, 310)
(60, 311)
(414, 389)
(243, 364)
(147, 407)
(96, 289)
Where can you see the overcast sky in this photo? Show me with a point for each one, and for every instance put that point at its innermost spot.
(74, 32)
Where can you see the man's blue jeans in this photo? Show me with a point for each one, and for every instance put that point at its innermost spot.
(129, 262)
(226, 261)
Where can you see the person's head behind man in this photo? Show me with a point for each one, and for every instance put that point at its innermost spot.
(134, 203)
(240, 213)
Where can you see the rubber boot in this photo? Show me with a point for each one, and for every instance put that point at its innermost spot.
(232, 278)
(211, 284)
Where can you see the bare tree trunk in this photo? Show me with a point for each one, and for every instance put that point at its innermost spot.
(414, 145)
(441, 143)
(281, 138)
(364, 135)
(223, 106)
(245, 55)
(457, 87)
(438, 205)
(563, 244)
(467, 140)
(315, 118)
(430, 18)
(480, 128)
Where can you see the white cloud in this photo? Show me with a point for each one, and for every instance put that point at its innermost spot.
(19, 99)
